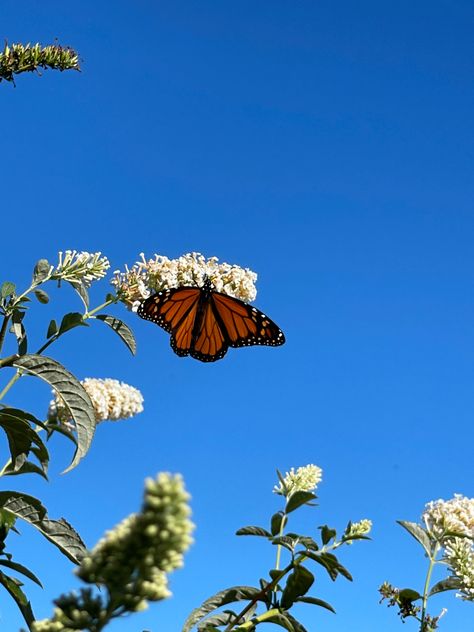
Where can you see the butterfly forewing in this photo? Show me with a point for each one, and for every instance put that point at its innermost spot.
(245, 325)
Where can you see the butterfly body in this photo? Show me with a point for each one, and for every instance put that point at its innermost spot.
(204, 323)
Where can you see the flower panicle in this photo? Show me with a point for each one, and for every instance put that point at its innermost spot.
(148, 276)
(111, 400)
(304, 479)
(80, 267)
(132, 561)
(18, 58)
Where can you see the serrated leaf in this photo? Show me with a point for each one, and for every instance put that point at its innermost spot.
(7, 289)
(450, 583)
(418, 533)
(316, 602)
(327, 534)
(82, 292)
(121, 329)
(229, 595)
(253, 531)
(278, 522)
(58, 532)
(19, 568)
(42, 296)
(284, 541)
(52, 329)
(41, 271)
(72, 393)
(70, 321)
(298, 583)
(297, 499)
(12, 585)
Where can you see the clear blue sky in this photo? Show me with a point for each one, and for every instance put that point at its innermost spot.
(327, 146)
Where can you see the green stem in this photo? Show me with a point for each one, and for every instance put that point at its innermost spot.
(259, 596)
(279, 547)
(13, 380)
(97, 309)
(427, 586)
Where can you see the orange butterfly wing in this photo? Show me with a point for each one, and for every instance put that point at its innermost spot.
(204, 323)
(245, 325)
(175, 311)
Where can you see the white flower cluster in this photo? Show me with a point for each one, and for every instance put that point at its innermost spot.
(456, 515)
(363, 527)
(444, 519)
(111, 400)
(80, 267)
(133, 559)
(159, 273)
(305, 479)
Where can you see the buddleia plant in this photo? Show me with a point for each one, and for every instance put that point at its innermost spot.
(289, 582)
(77, 406)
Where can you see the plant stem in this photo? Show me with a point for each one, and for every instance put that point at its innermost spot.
(427, 586)
(97, 309)
(14, 379)
(278, 555)
(261, 594)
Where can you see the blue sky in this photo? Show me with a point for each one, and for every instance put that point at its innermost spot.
(327, 146)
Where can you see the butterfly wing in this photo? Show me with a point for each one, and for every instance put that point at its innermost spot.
(175, 311)
(244, 325)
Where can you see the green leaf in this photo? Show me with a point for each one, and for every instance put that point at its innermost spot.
(7, 289)
(121, 329)
(42, 296)
(27, 467)
(316, 602)
(450, 583)
(58, 532)
(327, 534)
(219, 619)
(19, 330)
(229, 595)
(21, 438)
(41, 271)
(407, 594)
(82, 291)
(52, 329)
(254, 531)
(297, 499)
(12, 585)
(19, 568)
(330, 563)
(73, 394)
(418, 533)
(298, 583)
(70, 321)
(275, 616)
(278, 519)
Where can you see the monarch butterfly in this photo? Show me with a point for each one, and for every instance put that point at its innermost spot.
(204, 323)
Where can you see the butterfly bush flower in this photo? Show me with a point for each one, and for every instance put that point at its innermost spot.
(159, 273)
(446, 518)
(454, 515)
(80, 267)
(111, 399)
(357, 529)
(305, 479)
(132, 561)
